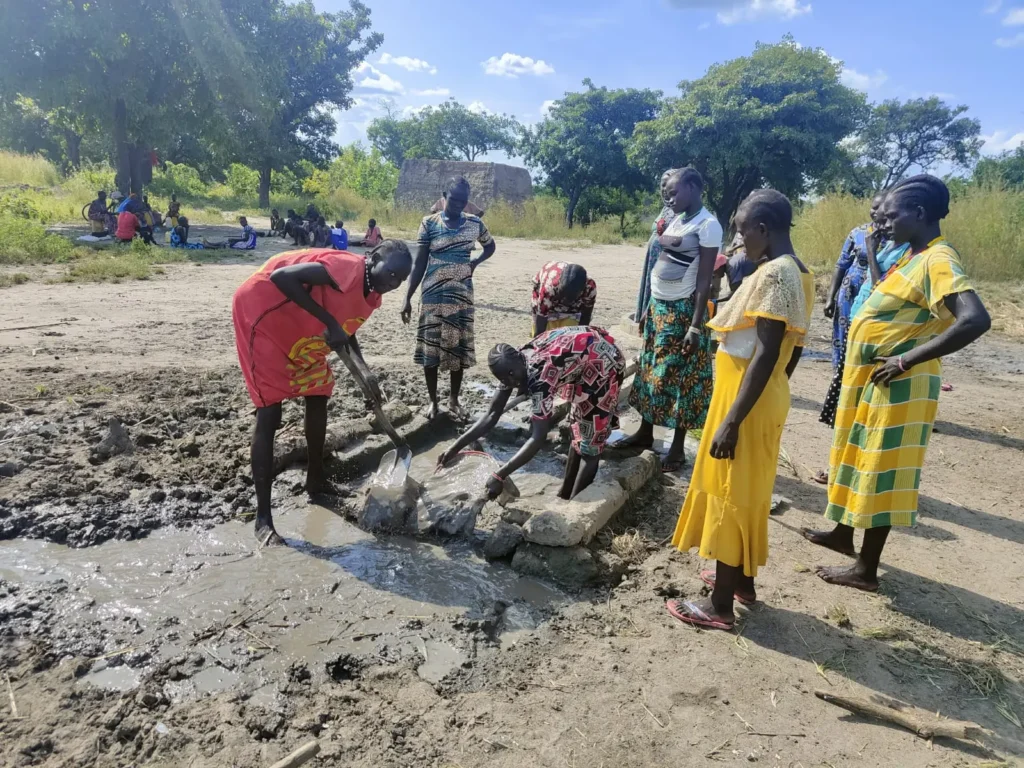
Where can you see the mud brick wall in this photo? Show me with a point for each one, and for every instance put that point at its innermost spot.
(422, 181)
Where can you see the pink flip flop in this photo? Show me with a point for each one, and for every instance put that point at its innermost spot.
(708, 577)
(696, 617)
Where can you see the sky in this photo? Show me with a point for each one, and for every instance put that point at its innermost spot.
(516, 58)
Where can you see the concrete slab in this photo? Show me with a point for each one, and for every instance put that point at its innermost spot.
(568, 523)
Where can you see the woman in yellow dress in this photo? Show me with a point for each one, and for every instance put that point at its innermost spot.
(923, 309)
(761, 332)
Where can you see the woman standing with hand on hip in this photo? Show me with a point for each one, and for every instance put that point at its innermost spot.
(761, 334)
(923, 309)
(444, 336)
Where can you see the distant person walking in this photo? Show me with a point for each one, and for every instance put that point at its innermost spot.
(922, 310)
(444, 334)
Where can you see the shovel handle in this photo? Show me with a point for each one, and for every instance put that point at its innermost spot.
(383, 420)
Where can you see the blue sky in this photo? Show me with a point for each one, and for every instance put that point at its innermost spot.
(513, 57)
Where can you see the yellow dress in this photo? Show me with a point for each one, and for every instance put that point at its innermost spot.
(728, 502)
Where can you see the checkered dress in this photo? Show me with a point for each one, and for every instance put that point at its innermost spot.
(881, 433)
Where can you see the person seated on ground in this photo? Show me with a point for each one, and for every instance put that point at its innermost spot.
(173, 211)
(130, 203)
(471, 209)
(148, 216)
(299, 233)
(247, 242)
(373, 235)
(291, 221)
(179, 236)
(277, 224)
(288, 316)
(562, 295)
(320, 234)
(101, 221)
(127, 226)
(312, 214)
(339, 236)
(583, 360)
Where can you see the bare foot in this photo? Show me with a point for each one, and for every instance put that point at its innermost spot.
(636, 441)
(320, 487)
(850, 576)
(745, 594)
(267, 536)
(830, 540)
(457, 411)
(433, 410)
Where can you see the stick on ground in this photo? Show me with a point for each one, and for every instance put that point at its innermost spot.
(306, 752)
(891, 711)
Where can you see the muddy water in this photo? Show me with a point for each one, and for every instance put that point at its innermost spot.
(335, 590)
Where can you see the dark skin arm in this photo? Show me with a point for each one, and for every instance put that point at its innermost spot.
(794, 360)
(769, 338)
(483, 425)
(487, 253)
(586, 315)
(972, 322)
(538, 436)
(292, 282)
(419, 268)
(873, 241)
(540, 323)
(705, 269)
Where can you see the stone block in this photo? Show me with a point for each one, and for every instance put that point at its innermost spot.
(397, 413)
(421, 182)
(560, 523)
(503, 540)
(568, 566)
(633, 473)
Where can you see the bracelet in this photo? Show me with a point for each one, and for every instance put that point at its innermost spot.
(899, 362)
(695, 328)
(498, 477)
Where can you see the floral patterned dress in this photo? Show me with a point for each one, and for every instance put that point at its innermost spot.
(544, 304)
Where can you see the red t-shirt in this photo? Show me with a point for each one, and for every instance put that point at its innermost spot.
(127, 223)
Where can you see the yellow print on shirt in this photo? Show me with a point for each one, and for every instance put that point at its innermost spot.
(309, 369)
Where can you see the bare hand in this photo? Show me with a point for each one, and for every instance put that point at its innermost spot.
(830, 310)
(336, 337)
(887, 370)
(724, 444)
(641, 324)
(407, 312)
(690, 342)
(372, 389)
(494, 487)
(443, 458)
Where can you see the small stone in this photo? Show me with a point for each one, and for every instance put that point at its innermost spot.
(115, 443)
(157, 496)
(503, 540)
(608, 631)
(9, 469)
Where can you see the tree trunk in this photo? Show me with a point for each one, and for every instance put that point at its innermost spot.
(73, 148)
(121, 148)
(264, 201)
(570, 209)
(135, 169)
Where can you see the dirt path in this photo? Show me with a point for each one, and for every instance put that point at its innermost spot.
(399, 653)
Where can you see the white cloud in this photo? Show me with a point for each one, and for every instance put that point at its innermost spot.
(735, 11)
(863, 82)
(514, 65)
(434, 92)
(1001, 141)
(408, 63)
(1014, 18)
(545, 108)
(375, 80)
(477, 107)
(994, 6)
(409, 111)
(1011, 42)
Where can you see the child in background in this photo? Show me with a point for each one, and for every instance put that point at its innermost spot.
(173, 211)
(339, 237)
(373, 236)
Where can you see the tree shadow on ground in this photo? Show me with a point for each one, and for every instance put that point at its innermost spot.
(980, 435)
(923, 675)
(502, 308)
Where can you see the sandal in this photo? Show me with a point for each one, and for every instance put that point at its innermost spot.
(692, 614)
(671, 467)
(821, 477)
(708, 577)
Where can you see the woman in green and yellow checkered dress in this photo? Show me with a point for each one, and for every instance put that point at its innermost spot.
(923, 309)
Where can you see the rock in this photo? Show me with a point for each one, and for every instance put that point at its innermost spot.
(389, 508)
(503, 540)
(9, 469)
(263, 725)
(568, 566)
(779, 504)
(157, 496)
(115, 443)
(397, 412)
(515, 514)
(633, 473)
(568, 523)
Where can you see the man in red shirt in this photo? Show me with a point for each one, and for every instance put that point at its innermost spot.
(288, 317)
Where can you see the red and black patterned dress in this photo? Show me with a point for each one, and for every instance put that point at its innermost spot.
(583, 365)
(544, 304)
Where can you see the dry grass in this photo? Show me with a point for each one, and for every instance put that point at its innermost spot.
(33, 170)
(7, 279)
(629, 546)
(883, 633)
(838, 615)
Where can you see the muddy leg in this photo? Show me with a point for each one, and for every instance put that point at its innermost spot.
(587, 473)
(316, 436)
(863, 574)
(572, 466)
(675, 459)
(268, 420)
(454, 407)
(431, 376)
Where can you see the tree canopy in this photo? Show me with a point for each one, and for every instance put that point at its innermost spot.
(774, 118)
(450, 131)
(1005, 169)
(581, 144)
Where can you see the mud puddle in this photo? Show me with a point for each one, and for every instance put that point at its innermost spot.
(225, 614)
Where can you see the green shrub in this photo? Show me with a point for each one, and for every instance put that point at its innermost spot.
(34, 170)
(177, 179)
(23, 241)
(243, 181)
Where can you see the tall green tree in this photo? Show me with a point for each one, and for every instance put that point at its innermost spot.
(581, 144)
(1006, 169)
(299, 68)
(918, 133)
(774, 118)
(450, 131)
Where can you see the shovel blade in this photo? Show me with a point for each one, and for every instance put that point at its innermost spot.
(394, 467)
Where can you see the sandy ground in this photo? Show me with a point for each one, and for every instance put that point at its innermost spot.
(162, 636)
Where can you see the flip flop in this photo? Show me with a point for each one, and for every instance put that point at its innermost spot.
(821, 478)
(708, 577)
(696, 617)
(671, 467)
